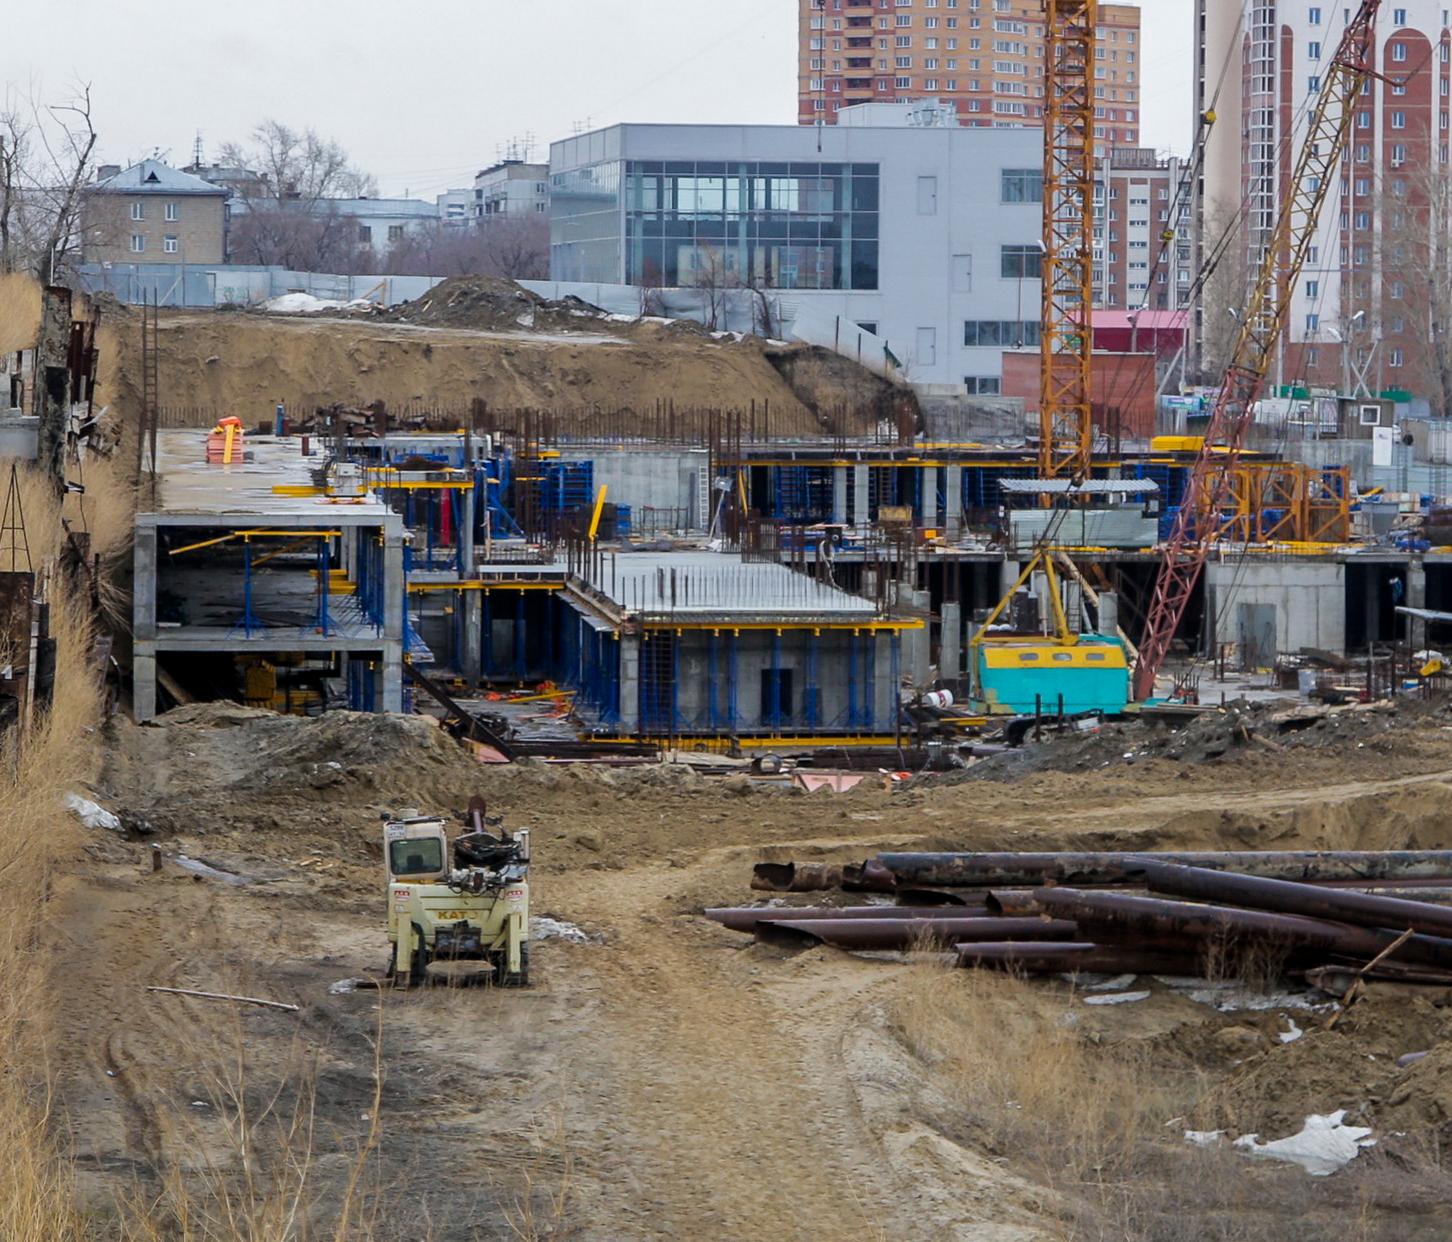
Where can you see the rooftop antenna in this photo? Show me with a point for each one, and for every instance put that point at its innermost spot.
(197, 150)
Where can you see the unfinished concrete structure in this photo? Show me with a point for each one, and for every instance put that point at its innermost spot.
(251, 566)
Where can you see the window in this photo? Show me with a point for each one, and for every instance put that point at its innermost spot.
(1399, 120)
(1313, 322)
(1313, 15)
(1022, 185)
(1000, 333)
(169, 243)
(1370, 416)
(395, 232)
(423, 856)
(1397, 358)
(171, 211)
(138, 211)
(1399, 17)
(365, 234)
(982, 385)
(1313, 50)
(138, 243)
(1021, 262)
(1313, 288)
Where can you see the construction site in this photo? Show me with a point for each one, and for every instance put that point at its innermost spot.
(494, 768)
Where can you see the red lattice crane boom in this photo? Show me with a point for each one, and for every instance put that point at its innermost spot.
(1202, 510)
(1066, 424)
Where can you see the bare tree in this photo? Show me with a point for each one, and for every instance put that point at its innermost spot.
(509, 247)
(1225, 291)
(286, 215)
(45, 163)
(714, 278)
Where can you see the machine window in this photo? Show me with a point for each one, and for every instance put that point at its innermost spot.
(421, 857)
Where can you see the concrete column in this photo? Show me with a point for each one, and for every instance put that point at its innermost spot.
(1008, 573)
(472, 605)
(629, 683)
(860, 485)
(953, 496)
(1416, 598)
(1108, 613)
(393, 583)
(143, 605)
(465, 534)
(839, 494)
(143, 686)
(928, 490)
(950, 642)
(390, 690)
(1371, 602)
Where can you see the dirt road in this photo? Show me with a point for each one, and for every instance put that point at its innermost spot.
(667, 1079)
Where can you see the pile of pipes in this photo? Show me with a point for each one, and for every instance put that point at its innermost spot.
(1322, 916)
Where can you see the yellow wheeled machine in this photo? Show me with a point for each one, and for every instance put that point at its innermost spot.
(456, 911)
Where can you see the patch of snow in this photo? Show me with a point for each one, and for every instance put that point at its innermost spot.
(343, 987)
(1114, 984)
(93, 815)
(1323, 1145)
(306, 304)
(1116, 998)
(1204, 1138)
(1295, 1033)
(526, 320)
(541, 928)
(197, 867)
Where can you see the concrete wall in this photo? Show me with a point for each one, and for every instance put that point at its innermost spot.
(650, 479)
(1309, 602)
(18, 436)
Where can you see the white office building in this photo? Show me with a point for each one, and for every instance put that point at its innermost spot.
(925, 235)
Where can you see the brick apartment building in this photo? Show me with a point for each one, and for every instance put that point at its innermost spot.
(1363, 317)
(984, 56)
(150, 213)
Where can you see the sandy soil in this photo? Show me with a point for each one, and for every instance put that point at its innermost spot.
(668, 1079)
(246, 363)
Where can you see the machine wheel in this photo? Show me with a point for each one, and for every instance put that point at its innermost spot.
(521, 980)
(419, 967)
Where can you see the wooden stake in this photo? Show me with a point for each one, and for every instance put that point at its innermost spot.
(223, 996)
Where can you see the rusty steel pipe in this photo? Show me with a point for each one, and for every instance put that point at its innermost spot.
(1287, 897)
(815, 877)
(745, 918)
(951, 870)
(1119, 915)
(906, 933)
(1051, 958)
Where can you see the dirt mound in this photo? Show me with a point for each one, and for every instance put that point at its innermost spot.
(212, 364)
(491, 304)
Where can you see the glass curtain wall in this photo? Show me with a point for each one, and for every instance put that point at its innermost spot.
(767, 225)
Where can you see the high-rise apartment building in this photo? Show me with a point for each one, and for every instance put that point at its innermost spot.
(1367, 315)
(1138, 199)
(985, 56)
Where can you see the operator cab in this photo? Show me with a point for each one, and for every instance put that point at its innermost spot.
(416, 848)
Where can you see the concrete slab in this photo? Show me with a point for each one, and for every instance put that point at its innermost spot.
(193, 492)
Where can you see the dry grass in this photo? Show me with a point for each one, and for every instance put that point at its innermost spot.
(257, 1161)
(19, 312)
(1087, 1119)
(54, 756)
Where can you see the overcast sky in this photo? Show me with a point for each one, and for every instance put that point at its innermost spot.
(424, 94)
